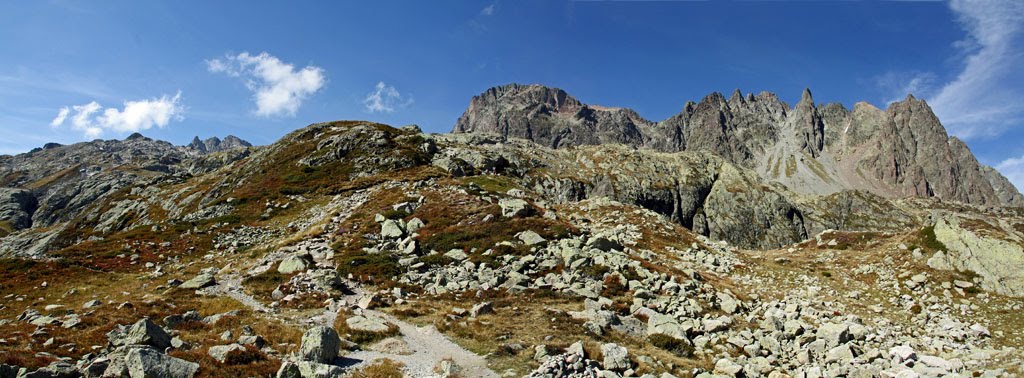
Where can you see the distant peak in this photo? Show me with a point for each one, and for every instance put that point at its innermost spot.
(737, 97)
(806, 96)
(135, 136)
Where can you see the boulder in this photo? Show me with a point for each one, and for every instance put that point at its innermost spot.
(391, 229)
(529, 237)
(206, 277)
(414, 225)
(481, 309)
(834, 334)
(320, 344)
(150, 363)
(366, 324)
(514, 207)
(295, 264)
(392, 345)
(221, 353)
(615, 357)
(308, 369)
(143, 332)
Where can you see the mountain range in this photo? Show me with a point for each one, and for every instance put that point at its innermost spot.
(902, 151)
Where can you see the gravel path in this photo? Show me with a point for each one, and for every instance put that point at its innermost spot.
(428, 347)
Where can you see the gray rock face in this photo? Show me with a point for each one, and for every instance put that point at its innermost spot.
(320, 344)
(700, 191)
(819, 149)
(16, 208)
(999, 261)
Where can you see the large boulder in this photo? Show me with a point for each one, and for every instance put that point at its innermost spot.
(320, 344)
(143, 332)
(150, 363)
(206, 277)
(221, 353)
(367, 324)
(514, 207)
(295, 264)
(990, 251)
(615, 357)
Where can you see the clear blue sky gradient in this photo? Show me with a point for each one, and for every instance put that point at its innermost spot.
(649, 56)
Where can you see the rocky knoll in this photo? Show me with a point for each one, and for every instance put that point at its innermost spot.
(56, 184)
(902, 151)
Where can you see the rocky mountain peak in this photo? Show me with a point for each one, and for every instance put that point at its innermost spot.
(806, 98)
(215, 144)
(135, 136)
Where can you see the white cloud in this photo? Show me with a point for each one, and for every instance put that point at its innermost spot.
(135, 116)
(488, 10)
(385, 98)
(61, 116)
(277, 87)
(1013, 169)
(984, 98)
(897, 85)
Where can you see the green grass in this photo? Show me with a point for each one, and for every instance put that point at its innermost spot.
(367, 267)
(493, 183)
(926, 238)
(5, 228)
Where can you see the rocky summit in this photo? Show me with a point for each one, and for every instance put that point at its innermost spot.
(544, 237)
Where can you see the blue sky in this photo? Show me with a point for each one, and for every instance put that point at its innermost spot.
(258, 70)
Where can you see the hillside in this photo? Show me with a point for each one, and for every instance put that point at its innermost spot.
(357, 249)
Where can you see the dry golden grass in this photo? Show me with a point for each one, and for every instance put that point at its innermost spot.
(529, 319)
(382, 368)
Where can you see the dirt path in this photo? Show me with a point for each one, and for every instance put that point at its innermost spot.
(231, 286)
(428, 348)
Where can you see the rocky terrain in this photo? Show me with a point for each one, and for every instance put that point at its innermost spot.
(544, 238)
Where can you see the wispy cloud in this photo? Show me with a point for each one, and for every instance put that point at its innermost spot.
(278, 88)
(897, 85)
(135, 116)
(61, 116)
(385, 99)
(1013, 169)
(488, 10)
(984, 99)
